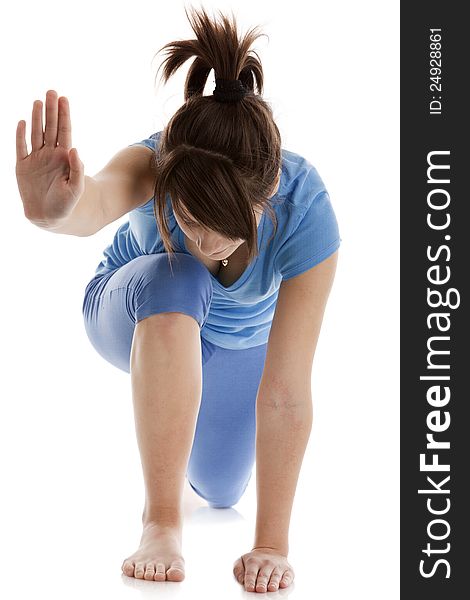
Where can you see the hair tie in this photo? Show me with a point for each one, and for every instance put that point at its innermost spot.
(229, 90)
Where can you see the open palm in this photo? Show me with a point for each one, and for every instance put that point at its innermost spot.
(51, 178)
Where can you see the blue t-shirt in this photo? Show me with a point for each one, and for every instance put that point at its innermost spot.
(241, 314)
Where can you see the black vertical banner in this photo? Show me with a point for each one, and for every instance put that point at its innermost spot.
(435, 269)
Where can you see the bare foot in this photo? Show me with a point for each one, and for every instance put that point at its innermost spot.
(158, 557)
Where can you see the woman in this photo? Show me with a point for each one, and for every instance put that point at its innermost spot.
(211, 295)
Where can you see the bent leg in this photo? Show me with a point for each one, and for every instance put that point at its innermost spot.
(223, 452)
(145, 286)
(147, 320)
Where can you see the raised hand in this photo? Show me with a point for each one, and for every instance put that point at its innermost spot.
(51, 178)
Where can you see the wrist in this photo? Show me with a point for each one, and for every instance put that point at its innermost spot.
(48, 224)
(282, 549)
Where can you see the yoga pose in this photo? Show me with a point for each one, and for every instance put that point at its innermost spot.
(211, 296)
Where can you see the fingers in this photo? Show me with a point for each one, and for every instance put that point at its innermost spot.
(50, 133)
(37, 136)
(250, 577)
(275, 579)
(238, 570)
(286, 579)
(21, 148)
(58, 126)
(64, 135)
(262, 578)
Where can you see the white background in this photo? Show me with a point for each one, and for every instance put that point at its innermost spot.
(71, 476)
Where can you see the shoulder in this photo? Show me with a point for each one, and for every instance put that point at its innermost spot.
(301, 186)
(152, 141)
(308, 230)
(300, 181)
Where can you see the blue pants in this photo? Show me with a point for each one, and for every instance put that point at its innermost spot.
(223, 452)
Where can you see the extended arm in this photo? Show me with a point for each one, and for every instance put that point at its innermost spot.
(123, 184)
(284, 402)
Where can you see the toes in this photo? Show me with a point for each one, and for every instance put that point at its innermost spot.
(139, 570)
(176, 571)
(149, 571)
(128, 568)
(155, 572)
(160, 572)
(175, 574)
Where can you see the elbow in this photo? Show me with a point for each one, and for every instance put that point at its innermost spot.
(286, 396)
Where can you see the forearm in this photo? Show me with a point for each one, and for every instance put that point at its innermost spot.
(283, 428)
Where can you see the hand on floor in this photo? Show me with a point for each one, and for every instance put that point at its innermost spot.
(263, 570)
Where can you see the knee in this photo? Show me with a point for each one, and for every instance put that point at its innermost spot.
(182, 286)
(223, 503)
(180, 267)
(218, 496)
(223, 500)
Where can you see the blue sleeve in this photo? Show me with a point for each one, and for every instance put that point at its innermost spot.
(314, 239)
(150, 142)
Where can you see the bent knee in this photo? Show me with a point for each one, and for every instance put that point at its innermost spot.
(218, 496)
(185, 288)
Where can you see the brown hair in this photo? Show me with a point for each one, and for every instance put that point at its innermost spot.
(216, 160)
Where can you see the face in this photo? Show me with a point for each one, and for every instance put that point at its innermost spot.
(210, 243)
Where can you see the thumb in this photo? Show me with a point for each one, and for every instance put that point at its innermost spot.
(76, 168)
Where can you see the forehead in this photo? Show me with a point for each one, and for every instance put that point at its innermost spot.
(183, 213)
